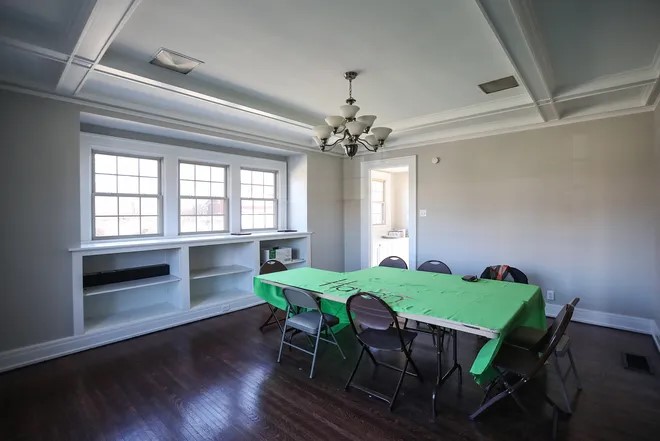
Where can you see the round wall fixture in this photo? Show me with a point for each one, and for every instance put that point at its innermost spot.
(435, 160)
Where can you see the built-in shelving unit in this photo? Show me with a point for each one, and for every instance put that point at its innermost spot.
(209, 275)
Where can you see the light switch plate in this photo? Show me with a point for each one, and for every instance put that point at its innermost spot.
(422, 213)
(550, 294)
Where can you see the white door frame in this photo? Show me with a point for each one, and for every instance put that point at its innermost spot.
(365, 213)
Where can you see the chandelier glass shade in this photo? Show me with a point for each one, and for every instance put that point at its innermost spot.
(349, 130)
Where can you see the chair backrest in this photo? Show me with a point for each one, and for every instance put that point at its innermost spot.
(372, 312)
(272, 266)
(504, 272)
(394, 262)
(575, 301)
(557, 331)
(434, 266)
(300, 299)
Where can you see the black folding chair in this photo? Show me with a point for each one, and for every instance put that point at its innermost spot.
(505, 273)
(272, 266)
(394, 262)
(312, 322)
(534, 340)
(375, 319)
(524, 365)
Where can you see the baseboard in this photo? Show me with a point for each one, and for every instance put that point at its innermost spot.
(24, 356)
(608, 320)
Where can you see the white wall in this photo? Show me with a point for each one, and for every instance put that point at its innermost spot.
(40, 217)
(574, 206)
(656, 137)
(400, 200)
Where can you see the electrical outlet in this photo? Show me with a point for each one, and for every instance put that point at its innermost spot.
(550, 294)
(422, 213)
(226, 308)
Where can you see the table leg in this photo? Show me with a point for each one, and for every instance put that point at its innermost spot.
(440, 379)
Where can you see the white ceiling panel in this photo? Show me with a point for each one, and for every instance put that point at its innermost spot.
(28, 69)
(415, 57)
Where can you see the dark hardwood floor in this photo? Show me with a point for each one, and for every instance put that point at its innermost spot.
(218, 379)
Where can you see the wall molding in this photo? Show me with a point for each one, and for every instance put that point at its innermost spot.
(16, 358)
(639, 325)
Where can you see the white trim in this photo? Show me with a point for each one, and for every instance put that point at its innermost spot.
(24, 356)
(365, 223)
(607, 319)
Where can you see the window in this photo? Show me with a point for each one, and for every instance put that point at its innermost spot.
(126, 196)
(377, 202)
(258, 200)
(202, 198)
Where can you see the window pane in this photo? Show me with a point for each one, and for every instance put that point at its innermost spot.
(269, 192)
(149, 167)
(202, 188)
(218, 223)
(217, 190)
(188, 224)
(129, 226)
(187, 206)
(105, 205)
(149, 225)
(218, 174)
(129, 206)
(246, 222)
(270, 222)
(259, 221)
(218, 207)
(105, 226)
(202, 173)
(246, 191)
(269, 178)
(127, 166)
(186, 171)
(127, 184)
(149, 206)
(257, 177)
(246, 177)
(246, 207)
(105, 163)
(203, 223)
(149, 185)
(270, 207)
(203, 206)
(259, 207)
(187, 188)
(105, 183)
(257, 191)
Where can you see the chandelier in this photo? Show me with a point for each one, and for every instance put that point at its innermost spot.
(350, 129)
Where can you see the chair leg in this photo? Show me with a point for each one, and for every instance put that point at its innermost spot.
(357, 365)
(489, 403)
(412, 363)
(575, 372)
(398, 386)
(316, 349)
(279, 356)
(563, 383)
(268, 322)
(371, 356)
(332, 334)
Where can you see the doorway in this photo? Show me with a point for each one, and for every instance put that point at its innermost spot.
(388, 211)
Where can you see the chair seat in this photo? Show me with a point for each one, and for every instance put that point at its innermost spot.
(386, 339)
(309, 321)
(526, 338)
(514, 359)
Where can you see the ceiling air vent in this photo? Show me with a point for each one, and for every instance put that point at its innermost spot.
(174, 61)
(498, 85)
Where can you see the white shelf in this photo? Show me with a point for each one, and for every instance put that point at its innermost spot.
(224, 270)
(127, 317)
(294, 261)
(210, 299)
(122, 286)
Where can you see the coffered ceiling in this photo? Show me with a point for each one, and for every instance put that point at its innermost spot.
(271, 70)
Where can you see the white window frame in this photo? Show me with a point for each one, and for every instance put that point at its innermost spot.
(226, 198)
(275, 200)
(159, 196)
(382, 203)
(171, 155)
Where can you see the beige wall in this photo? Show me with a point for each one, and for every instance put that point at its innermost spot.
(656, 133)
(574, 206)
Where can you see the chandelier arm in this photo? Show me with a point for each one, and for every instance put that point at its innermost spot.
(329, 147)
(366, 145)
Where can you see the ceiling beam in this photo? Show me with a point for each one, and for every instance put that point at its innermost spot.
(102, 26)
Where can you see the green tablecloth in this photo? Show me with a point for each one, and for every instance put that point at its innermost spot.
(498, 306)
